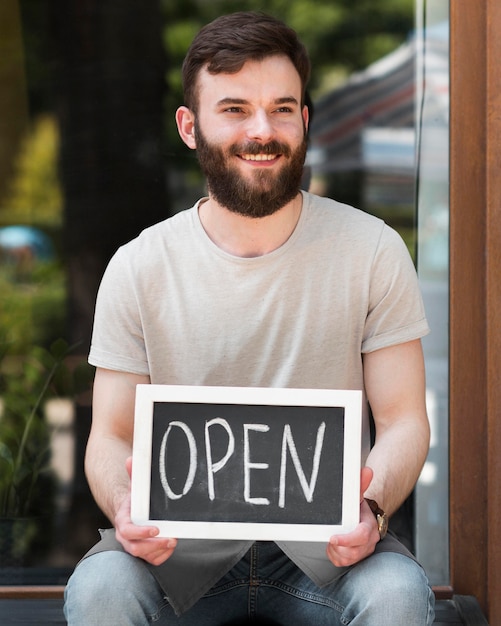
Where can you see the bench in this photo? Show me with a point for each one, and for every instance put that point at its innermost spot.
(43, 606)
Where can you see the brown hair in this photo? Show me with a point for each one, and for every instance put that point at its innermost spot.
(224, 45)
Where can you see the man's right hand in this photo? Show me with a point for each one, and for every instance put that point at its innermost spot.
(141, 541)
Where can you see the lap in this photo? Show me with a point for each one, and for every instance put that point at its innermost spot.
(265, 585)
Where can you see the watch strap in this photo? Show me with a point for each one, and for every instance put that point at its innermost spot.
(380, 515)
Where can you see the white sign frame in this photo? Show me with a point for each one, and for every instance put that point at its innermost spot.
(148, 395)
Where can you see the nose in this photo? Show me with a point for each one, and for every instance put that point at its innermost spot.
(260, 127)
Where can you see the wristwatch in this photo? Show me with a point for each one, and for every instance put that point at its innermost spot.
(381, 517)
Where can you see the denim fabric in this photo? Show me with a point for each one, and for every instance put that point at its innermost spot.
(265, 587)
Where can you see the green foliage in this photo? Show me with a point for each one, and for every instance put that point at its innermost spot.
(26, 480)
(34, 195)
(33, 310)
(33, 294)
(342, 36)
(348, 34)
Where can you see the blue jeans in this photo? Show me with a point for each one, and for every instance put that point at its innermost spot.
(265, 587)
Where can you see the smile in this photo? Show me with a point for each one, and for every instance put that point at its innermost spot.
(258, 157)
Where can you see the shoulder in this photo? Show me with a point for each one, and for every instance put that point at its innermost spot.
(356, 236)
(166, 232)
(348, 225)
(155, 242)
(153, 249)
(331, 212)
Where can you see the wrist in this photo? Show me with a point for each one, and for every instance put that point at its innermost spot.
(381, 517)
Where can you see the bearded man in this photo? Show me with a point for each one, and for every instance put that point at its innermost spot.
(259, 284)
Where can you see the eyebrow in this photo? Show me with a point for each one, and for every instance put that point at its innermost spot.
(232, 101)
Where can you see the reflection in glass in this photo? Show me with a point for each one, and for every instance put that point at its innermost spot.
(83, 117)
(380, 142)
(432, 129)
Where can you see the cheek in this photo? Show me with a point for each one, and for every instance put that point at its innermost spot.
(217, 139)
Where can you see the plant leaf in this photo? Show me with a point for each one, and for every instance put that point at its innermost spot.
(6, 454)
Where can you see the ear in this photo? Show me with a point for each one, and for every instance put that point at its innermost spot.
(306, 117)
(185, 120)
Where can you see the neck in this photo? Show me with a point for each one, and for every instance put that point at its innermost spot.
(246, 236)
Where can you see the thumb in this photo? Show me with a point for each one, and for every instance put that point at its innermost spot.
(128, 466)
(366, 475)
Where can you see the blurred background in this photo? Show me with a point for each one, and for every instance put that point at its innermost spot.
(89, 156)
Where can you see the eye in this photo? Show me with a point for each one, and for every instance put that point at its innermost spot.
(233, 109)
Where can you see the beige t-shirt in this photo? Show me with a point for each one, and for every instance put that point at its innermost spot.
(174, 306)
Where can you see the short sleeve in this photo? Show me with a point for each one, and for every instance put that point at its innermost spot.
(117, 337)
(396, 311)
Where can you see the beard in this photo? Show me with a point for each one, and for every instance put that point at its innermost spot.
(263, 194)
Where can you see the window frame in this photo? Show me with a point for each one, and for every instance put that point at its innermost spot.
(475, 299)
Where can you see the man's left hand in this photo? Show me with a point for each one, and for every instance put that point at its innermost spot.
(350, 548)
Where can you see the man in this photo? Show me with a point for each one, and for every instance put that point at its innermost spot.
(259, 284)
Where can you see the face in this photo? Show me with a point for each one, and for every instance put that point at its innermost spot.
(250, 136)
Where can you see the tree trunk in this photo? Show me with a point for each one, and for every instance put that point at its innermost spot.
(109, 68)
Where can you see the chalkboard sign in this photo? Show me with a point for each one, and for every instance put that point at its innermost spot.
(246, 463)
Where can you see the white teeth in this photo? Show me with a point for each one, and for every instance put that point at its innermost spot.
(258, 157)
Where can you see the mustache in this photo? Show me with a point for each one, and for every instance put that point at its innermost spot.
(253, 147)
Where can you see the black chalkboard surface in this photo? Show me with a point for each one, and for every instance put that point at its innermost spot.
(247, 463)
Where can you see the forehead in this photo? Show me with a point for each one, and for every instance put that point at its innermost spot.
(271, 78)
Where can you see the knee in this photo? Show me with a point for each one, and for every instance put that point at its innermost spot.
(390, 588)
(108, 583)
(96, 579)
(403, 592)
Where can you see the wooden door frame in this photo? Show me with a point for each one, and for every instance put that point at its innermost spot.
(475, 302)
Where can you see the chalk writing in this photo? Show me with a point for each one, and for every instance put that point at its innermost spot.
(219, 462)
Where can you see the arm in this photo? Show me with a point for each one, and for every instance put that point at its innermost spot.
(108, 465)
(395, 385)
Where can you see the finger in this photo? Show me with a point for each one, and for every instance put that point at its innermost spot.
(159, 556)
(366, 475)
(144, 538)
(128, 466)
(134, 532)
(359, 537)
(126, 527)
(151, 550)
(343, 557)
(345, 550)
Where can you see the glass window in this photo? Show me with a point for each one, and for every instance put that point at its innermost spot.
(379, 141)
(432, 199)
(89, 156)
